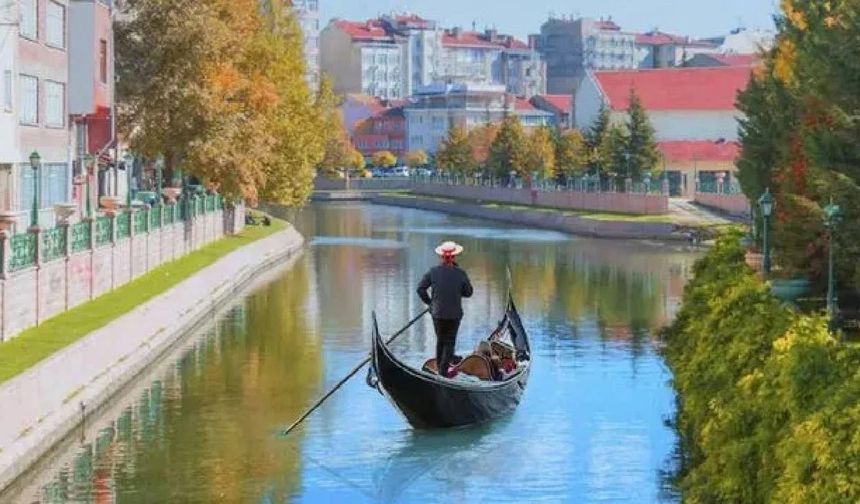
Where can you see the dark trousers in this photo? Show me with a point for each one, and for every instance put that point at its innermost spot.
(446, 340)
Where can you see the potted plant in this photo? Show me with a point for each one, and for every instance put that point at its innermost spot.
(64, 212)
(110, 204)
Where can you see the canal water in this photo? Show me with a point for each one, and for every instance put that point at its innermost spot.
(203, 424)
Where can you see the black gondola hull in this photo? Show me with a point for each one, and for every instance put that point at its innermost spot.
(429, 401)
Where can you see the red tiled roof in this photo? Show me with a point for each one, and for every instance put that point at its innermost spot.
(713, 88)
(478, 39)
(466, 39)
(562, 102)
(607, 25)
(736, 59)
(412, 20)
(369, 31)
(522, 104)
(700, 150)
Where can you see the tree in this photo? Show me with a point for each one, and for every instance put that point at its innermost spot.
(572, 155)
(641, 144)
(541, 152)
(416, 158)
(455, 154)
(384, 159)
(612, 150)
(481, 138)
(597, 131)
(355, 159)
(509, 151)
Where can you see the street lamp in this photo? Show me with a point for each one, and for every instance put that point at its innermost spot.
(129, 162)
(35, 162)
(88, 159)
(766, 204)
(158, 167)
(832, 218)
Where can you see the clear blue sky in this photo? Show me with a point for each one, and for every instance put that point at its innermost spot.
(699, 18)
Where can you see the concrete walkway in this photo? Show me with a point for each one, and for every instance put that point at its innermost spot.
(42, 405)
(686, 213)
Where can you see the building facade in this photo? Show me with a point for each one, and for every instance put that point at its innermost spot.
(394, 56)
(561, 106)
(10, 151)
(91, 92)
(384, 131)
(42, 112)
(364, 58)
(656, 49)
(308, 15)
(571, 47)
(692, 111)
(436, 108)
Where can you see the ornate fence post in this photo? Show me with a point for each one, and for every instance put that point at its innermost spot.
(36, 231)
(112, 217)
(5, 253)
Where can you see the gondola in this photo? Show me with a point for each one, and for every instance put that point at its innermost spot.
(428, 400)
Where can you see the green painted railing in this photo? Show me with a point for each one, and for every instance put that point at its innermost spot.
(53, 244)
(140, 222)
(81, 236)
(155, 217)
(170, 214)
(103, 231)
(123, 227)
(23, 251)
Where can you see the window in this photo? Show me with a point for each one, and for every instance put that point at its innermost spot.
(53, 184)
(29, 19)
(29, 96)
(7, 90)
(55, 104)
(103, 57)
(56, 24)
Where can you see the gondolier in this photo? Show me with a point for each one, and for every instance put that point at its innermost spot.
(448, 285)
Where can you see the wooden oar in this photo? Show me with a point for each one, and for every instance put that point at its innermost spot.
(352, 373)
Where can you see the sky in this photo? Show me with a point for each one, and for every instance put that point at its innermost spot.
(697, 18)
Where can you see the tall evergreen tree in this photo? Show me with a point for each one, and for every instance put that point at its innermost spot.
(641, 143)
(595, 133)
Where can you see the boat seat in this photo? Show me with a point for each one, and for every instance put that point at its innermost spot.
(477, 366)
(503, 350)
(430, 366)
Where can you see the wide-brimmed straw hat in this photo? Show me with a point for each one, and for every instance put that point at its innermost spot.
(449, 248)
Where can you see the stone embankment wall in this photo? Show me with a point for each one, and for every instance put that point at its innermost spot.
(629, 203)
(732, 204)
(30, 295)
(543, 219)
(45, 403)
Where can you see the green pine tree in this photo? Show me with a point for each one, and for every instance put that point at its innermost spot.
(455, 154)
(641, 144)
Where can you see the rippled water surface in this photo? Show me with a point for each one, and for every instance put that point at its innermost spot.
(202, 425)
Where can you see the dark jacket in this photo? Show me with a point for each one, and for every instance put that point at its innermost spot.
(449, 284)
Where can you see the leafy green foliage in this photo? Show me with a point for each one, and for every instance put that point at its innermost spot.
(768, 399)
(455, 154)
(509, 151)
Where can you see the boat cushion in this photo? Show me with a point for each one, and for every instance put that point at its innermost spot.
(476, 365)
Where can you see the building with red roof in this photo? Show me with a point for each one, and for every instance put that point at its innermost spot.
(728, 59)
(664, 50)
(385, 130)
(692, 111)
(561, 106)
(395, 55)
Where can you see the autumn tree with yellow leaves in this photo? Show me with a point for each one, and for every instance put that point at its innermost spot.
(220, 93)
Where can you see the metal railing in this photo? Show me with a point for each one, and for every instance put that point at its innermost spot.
(582, 183)
(24, 250)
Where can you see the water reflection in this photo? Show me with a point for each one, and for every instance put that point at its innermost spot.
(590, 429)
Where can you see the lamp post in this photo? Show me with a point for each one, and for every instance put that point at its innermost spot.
(832, 218)
(766, 203)
(129, 163)
(88, 159)
(158, 167)
(35, 162)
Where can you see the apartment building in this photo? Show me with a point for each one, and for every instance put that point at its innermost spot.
(571, 47)
(436, 108)
(42, 107)
(417, 53)
(308, 15)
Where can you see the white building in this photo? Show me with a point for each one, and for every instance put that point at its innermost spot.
(364, 58)
(657, 49)
(9, 141)
(308, 15)
(425, 55)
(436, 108)
(692, 111)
